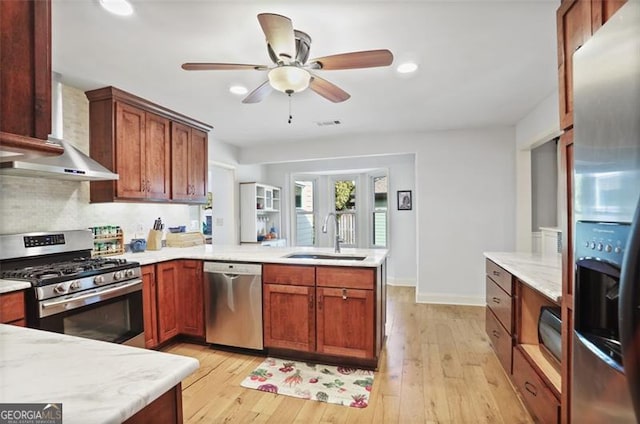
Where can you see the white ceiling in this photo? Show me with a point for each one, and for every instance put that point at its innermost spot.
(482, 63)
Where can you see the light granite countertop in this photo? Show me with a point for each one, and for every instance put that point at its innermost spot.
(239, 253)
(7, 286)
(96, 382)
(258, 254)
(542, 273)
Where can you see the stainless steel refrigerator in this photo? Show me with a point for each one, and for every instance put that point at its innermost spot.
(606, 346)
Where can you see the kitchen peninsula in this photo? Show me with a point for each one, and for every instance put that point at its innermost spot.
(96, 382)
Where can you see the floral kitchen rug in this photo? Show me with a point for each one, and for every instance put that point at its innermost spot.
(324, 383)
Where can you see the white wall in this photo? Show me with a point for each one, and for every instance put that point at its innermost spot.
(464, 199)
(544, 186)
(402, 266)
(537, 127)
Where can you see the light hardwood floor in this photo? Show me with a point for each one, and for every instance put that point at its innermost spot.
(437, 367)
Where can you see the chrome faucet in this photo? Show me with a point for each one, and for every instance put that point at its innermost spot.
(324, 230)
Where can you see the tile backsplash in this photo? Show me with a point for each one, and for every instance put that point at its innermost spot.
(42, 204)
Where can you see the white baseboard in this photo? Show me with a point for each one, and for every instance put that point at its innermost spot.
(400, 283)
(451, 299)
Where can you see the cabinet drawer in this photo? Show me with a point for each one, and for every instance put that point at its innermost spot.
(538, 398)
(11, 307)
(500, 340)
(500, 276)
(345, 277)
(289, 274)
(500, 303)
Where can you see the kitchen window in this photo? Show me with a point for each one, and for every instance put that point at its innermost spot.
(379, 214)
(345, 209)
(305, 213)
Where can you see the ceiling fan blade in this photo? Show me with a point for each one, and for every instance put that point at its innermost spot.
(221, 67)
(328, 90)
(353, 60)
(279, 32)
(259, 94)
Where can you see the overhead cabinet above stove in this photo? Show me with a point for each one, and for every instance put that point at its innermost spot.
(160, 155)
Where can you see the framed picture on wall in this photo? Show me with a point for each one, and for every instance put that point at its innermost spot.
(404, 200)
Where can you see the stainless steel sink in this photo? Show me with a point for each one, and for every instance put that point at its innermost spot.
(325, 256)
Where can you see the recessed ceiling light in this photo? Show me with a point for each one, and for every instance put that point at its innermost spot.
(117, 7)
(407, 67)
(238, 89)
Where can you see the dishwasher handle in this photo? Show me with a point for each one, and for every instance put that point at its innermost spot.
(231, 276)
(232, 268)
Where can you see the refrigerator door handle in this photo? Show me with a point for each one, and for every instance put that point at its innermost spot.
(629, 311)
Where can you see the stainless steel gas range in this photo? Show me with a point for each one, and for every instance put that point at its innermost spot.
(73, 293)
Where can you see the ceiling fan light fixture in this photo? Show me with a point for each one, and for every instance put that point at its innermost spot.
(117, 7)
(289, 78)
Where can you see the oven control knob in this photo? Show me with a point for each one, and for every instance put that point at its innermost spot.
(129, 273)
(600, 246)
(608, 248)
(118, 275)
(617, 249)
(593, 245)
(75, 285)
(60, 289)
(98, 279)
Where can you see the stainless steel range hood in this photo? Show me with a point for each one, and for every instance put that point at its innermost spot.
(71, 165)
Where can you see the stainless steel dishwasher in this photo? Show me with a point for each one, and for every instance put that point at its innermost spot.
(233, 304)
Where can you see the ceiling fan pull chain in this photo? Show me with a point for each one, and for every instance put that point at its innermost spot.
(290, 115)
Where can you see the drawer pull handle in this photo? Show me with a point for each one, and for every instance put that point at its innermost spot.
(531, 388)
(496, 273)
(344, 294)
(496, 334)
(496, 299)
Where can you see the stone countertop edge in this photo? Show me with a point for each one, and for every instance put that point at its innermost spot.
(258, 254)
(96, 382)
(242, 253)
(542, 273)
(8, 286)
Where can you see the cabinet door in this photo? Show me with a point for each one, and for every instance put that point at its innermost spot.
(180, 139)
(574, 29)
(149, 306)
(130, 158)
(12, 310)
(289, 317)
(191, 289)
(346, 322)
(167, 275)
(198, 165)
(602, 11)
(157, 149)
(25, 76)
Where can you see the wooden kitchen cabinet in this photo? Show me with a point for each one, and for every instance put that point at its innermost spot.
(577, 21)
(25, 79)
(499, 315)
(324, 310)
(191, 298)
(12, 308)
(159, 155)
(180, 299)
(189, 169)
(167, 277)
(149, 306)
(289, 316)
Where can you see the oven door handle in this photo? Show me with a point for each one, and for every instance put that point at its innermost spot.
(55, 307)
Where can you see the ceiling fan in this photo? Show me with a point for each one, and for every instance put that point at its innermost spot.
(291, 73)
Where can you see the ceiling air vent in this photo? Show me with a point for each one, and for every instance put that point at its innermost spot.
(327, 123)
